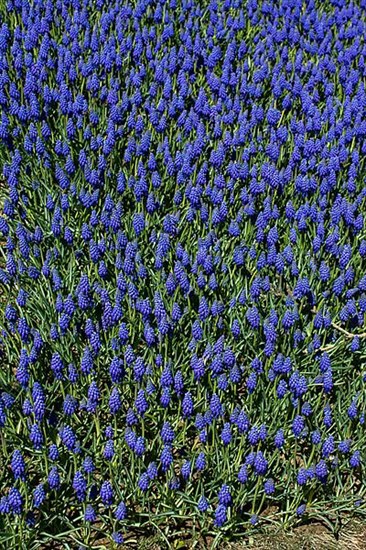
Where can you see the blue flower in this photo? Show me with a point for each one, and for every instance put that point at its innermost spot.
(144, 482)
(220, 515)
(39, 495)
(15, 501)
(321, 471)
(269, 487)
(54, 478)
(106, 493)
(187, 405)
(36, 436)
(114, 401)
(260, 464)
(167, 433)
(18, 465)
(202, 504)
(90, 515)
(121, 511)
(355, 459)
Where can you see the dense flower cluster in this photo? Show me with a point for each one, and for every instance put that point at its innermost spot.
(184, 255)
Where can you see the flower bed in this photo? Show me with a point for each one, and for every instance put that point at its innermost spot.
(183, 264)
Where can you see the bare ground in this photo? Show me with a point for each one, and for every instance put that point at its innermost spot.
(306, 537)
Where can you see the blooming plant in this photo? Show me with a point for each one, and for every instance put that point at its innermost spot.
(183, 259)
